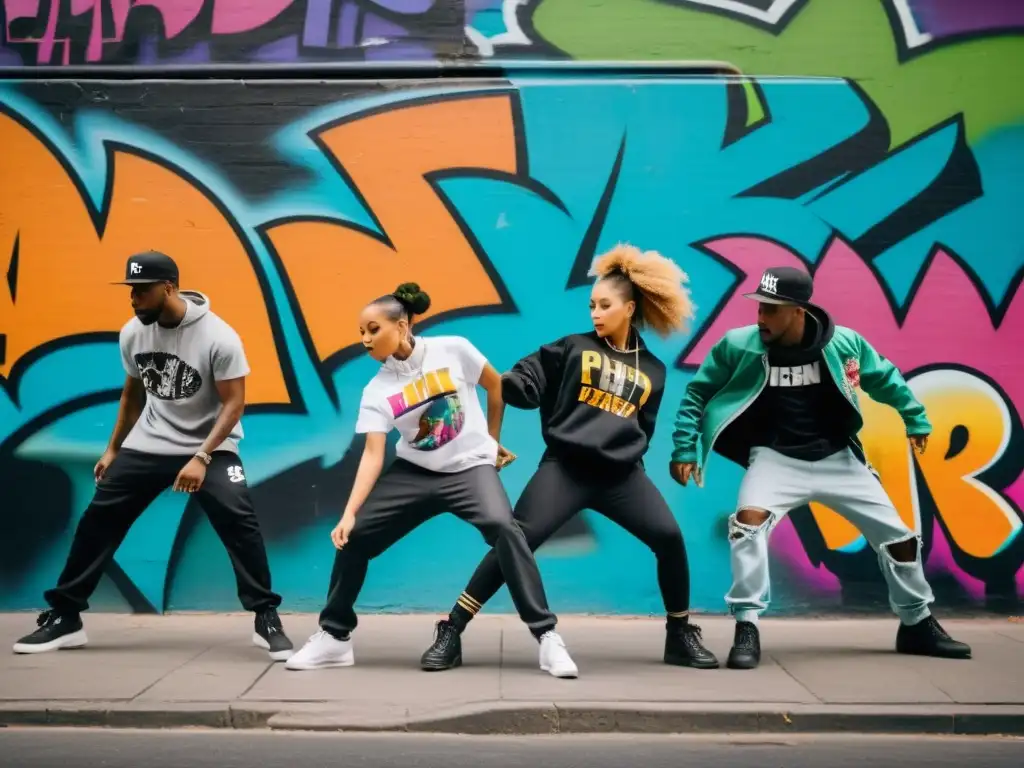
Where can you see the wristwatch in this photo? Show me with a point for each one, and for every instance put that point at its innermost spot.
(203, 457)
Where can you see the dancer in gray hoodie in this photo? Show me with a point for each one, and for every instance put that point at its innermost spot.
(178, 425)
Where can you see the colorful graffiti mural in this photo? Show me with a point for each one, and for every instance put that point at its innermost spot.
(917, 24)
(495, 196)
(896, 181)
(183, 32)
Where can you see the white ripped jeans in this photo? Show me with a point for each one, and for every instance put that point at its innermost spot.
(776, 484)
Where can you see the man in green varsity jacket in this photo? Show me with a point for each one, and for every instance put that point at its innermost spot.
(780, 399)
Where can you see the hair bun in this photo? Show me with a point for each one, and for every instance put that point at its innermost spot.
(412, 298)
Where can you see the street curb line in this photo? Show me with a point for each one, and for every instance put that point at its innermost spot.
(530, 718)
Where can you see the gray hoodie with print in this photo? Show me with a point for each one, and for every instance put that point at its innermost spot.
(178, 367)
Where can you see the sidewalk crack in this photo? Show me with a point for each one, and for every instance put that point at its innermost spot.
(170, 672)
(795, 680)
(1014, 638)
(252, 685)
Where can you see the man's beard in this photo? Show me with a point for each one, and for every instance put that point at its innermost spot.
(149, 316)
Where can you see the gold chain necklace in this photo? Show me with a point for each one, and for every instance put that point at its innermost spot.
(636, 367)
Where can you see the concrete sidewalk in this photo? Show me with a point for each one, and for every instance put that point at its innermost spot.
(816, 675)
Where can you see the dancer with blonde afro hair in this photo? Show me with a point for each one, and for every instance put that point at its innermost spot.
(598, 394)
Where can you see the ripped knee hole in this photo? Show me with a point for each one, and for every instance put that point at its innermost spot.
(903, 551)
(753, 517)
(747, 522)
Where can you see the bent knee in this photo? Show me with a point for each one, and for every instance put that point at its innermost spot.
(501, 528)
(668, 540)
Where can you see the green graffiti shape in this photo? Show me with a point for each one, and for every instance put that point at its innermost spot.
(846, 38)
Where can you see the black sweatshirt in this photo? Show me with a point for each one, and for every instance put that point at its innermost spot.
(594, 408)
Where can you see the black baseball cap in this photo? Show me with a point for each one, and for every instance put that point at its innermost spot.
(784, 285)
(149, 267)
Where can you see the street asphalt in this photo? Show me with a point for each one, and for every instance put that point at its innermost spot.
(60, 748)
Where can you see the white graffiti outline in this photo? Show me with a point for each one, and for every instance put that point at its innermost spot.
(913, 37)
(771, 17)
(513, 34)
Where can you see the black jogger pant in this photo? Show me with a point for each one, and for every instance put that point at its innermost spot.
(131, 484)
(405, 497)
(557, 491)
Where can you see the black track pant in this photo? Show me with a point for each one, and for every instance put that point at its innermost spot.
(405, 497)
(132, 483)
(556, 492)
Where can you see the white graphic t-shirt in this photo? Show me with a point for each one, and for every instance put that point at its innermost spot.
(431, 399)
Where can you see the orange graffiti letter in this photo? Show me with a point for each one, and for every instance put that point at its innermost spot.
(980, 521)
(67, 254)
(335, 269)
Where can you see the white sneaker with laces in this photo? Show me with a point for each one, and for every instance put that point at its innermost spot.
(322, 650)
(555, 658)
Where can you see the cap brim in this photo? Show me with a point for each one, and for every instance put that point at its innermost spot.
(769, 300)
(138, 282)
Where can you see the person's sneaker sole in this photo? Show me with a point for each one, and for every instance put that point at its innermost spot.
(686, 661)
(563, 675)
(744, 664)
(347, 661)
(282, 655)
(66, 643)
(456, 662)
(962, 656)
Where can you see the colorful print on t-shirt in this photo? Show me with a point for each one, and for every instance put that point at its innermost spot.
(442, 419)
(429, 386)
(440, 423)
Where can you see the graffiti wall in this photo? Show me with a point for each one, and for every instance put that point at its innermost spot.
(893, 173)
(188, 32)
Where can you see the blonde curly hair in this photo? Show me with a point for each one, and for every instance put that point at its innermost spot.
(655, 282)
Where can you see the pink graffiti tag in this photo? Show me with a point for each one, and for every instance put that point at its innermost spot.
(947, 308)
(229, 17)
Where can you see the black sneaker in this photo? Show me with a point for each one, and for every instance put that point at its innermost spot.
(928, 638)
(55, 631)
(746, 647)
(446, 651)
(270, 636)
(683, 648)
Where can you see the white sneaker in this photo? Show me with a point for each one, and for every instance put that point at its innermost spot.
(554, 658)
(322, 650)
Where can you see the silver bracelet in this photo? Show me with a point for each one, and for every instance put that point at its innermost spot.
(203, 457)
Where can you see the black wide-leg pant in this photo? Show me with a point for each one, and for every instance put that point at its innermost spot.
(132, 482)
(558, 491)
(405, 497)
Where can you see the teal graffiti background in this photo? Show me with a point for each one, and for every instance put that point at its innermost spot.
(666, 164)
